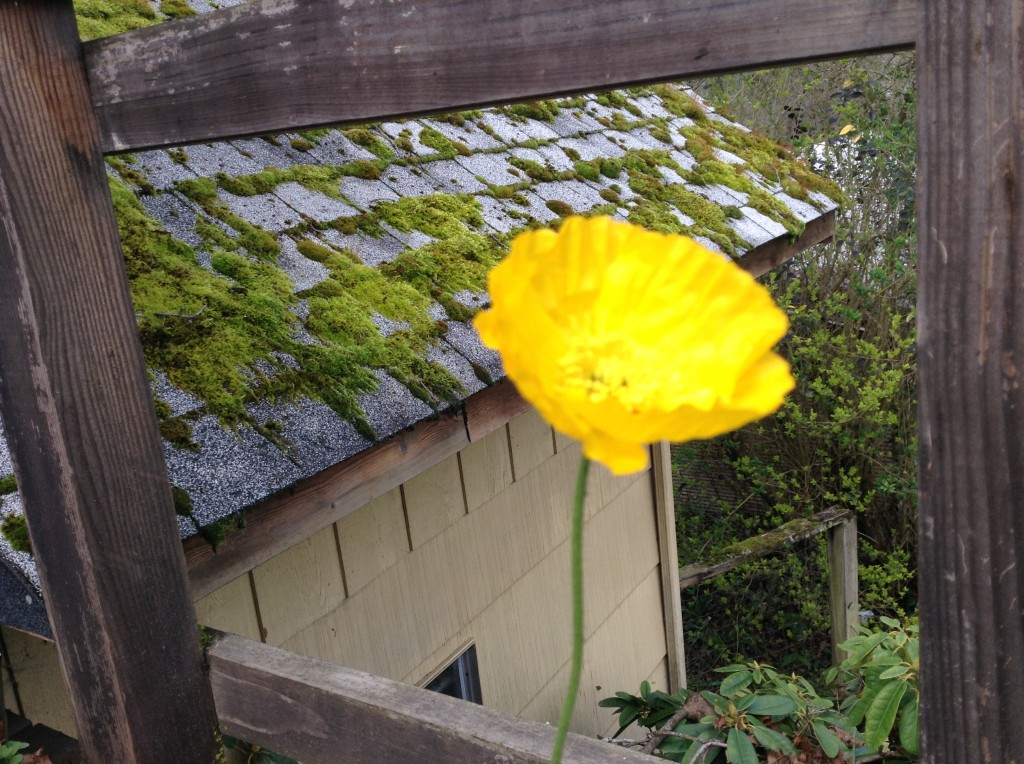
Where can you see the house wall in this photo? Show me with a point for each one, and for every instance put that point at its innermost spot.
(474, 550)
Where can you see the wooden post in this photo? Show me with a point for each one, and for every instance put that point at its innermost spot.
(841, 544)
(79, 417)
(971, 353)
(672, 605)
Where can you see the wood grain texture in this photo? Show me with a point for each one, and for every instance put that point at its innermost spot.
(761, 546)
(668, 554)
(275, 65)
(841, 548)
(318, 712)
(774, 253)
(971, 356)
(79, 418)
(309, 506)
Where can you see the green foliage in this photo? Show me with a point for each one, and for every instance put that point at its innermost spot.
(880, 679)
(250, 753)
(8, 484)
(847, 434)
(9, 752)
(15, 530)
(756, 710)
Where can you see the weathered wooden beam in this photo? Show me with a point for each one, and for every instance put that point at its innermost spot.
(761, 546)
(841, 549)
(273, 65)
(79, 418)
(971, 356)
(492, 408)
(321, 713)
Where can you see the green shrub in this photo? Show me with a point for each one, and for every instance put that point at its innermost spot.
(847, 434)
(757, 713)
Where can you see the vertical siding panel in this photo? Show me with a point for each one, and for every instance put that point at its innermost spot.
(486, 468)
(618, 656)
(231, 608)
(40, 681)
(620, 550)
(298, 586)
(532, 443)
(372, 539)
(497, 576)
(433, 501)
(563, 442)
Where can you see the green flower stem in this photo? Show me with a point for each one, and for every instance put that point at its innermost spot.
(576, 666)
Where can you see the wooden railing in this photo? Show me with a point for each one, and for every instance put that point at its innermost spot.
(841, 527)
(319, 712)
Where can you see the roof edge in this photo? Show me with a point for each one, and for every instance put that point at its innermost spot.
(781, 249)
(310, 505)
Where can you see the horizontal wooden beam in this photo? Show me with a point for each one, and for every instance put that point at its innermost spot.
(274, 65)
(761, 546)
(318, 712)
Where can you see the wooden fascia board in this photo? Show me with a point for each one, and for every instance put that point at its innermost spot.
(275, 65)
(779, 250)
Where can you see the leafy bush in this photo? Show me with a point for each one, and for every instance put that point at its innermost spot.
(759, 714)
(9, 752)
(756, 713)
(881, 681)
(847, 434)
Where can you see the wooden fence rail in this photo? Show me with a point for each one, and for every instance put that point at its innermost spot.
(319, 712)
(841, 527)
(274, 65)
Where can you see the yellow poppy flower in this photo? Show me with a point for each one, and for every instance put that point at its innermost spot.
(621, 337)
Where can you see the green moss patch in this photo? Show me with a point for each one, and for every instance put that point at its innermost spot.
(15, 530)
(102, 18)
(8, 484)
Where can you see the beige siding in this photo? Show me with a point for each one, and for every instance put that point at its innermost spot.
(434, 501)
(473, 551)
(497, 576)
(231, 608)
(486, 468)
(373, 539)
(298, 586)
(533, 442)
(41, 685)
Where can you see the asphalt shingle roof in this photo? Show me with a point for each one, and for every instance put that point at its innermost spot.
(363, 252)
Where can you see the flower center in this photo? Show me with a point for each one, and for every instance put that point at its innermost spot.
(596, 370)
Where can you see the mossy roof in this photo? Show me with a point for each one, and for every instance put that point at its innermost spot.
(304, 296)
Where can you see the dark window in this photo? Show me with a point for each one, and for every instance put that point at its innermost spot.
(460, 679)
